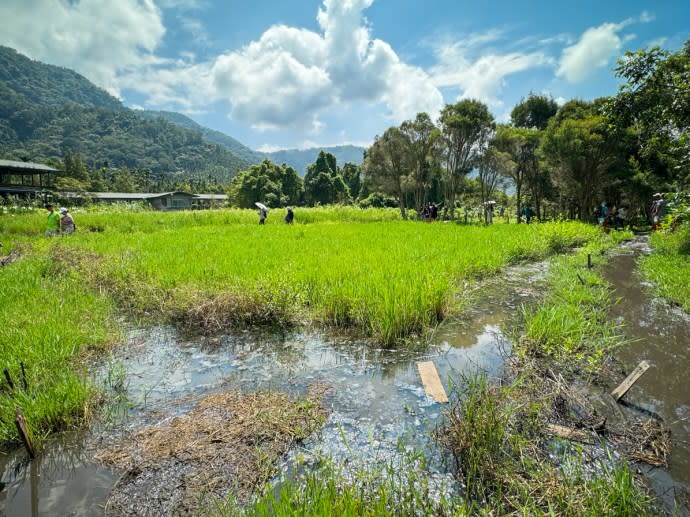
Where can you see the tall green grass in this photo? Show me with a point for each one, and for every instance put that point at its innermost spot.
(48, 325)
(387, 279)
(669, 265)
(571, 324)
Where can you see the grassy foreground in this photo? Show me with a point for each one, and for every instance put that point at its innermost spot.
(507, 464)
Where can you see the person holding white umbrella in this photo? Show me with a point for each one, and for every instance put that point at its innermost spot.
(263, 212)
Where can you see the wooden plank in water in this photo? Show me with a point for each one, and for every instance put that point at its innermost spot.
(629, 381)
(431, 381)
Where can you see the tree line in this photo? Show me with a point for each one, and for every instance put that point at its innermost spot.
(563, 160)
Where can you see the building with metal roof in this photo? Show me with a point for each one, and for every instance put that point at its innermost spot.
(25, 179)
(158, 200)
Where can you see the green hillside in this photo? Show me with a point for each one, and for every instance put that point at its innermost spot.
(46, 111)
(235, 146)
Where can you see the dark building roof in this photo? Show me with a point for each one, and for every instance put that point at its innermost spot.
(13, 167)
(22, 189)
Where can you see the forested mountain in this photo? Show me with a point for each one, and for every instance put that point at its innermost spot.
(48, 85)
(235, 146)
(46, 111)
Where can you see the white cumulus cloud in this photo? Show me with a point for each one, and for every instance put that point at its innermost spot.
(478, 73)
(98, 38)
(595, 49)
(289, 74)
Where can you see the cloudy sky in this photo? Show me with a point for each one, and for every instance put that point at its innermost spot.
(279, 74)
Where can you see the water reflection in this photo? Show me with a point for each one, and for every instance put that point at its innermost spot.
(660, 334)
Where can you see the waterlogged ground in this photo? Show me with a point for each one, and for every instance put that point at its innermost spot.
(375, 397)
(660, 334)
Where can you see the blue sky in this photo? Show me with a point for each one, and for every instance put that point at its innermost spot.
(279, 74)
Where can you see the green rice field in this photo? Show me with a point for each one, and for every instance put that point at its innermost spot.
(363, 271)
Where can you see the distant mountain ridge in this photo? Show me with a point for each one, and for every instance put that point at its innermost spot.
(46, 110)
(298, 159)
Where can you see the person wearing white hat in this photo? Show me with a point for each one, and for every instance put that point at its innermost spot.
(67, 225)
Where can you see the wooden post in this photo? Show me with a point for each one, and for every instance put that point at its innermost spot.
(23, 431)
(629, 381)
(24, 383)
(589, 261)
(9, 379)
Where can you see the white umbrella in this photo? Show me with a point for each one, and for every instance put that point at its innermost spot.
(262, 206)
(492, 202)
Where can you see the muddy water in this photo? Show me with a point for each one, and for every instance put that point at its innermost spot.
(660, 334)
(376, 398)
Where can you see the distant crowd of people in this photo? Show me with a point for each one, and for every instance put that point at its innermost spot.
(61, 221)
(429, 212)
(619, 217)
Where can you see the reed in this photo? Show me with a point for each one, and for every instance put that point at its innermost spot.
(668, 266)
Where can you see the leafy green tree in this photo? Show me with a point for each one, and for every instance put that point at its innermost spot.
(655, 104)
(387, 164)
(466, 127)
(494, 166)
(352, 176)
(533, 112)
(582, 151)
(124, 181)
(424, 141)
(522, 145)
(266, 182)
(323, 184)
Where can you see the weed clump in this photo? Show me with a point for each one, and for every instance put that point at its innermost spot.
(503, 439)
(227, 446)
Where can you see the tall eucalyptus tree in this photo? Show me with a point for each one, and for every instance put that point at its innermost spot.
(466, 127)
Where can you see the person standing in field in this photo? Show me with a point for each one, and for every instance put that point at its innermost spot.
(53, 223)
(527, 213)
(658, 209)
(290, 216)
(67, 225)
(433, 211)
(262, 215)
